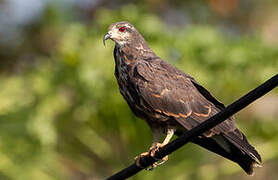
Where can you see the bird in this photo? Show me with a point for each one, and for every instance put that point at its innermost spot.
(172, 102)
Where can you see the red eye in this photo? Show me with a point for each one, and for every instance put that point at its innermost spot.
(122, 29)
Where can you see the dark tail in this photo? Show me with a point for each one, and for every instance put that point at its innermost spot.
(233, 146)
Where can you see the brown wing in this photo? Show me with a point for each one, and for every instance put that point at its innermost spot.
(171, 92)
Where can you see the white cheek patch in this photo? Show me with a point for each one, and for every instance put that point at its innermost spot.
(114, 32)
(119, 37)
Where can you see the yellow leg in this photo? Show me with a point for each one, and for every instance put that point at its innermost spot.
(155, 147)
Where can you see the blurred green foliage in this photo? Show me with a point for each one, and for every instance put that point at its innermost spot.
(63, 118)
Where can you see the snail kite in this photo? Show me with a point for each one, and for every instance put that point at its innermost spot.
(171, 101)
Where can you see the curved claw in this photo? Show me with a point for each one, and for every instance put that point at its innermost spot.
(154, 165)
(137, 158)
(153, 149)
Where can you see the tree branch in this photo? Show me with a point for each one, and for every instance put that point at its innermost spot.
(200, 129)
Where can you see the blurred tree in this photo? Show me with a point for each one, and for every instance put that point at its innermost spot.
(62, 116)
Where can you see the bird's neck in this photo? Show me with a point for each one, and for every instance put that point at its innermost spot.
(135, 51)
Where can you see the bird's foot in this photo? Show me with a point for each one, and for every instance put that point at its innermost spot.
(137, 158)
(153, 149)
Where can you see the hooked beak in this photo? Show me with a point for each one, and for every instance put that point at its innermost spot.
(105, 37)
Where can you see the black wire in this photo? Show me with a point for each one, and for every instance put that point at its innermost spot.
(200, 129)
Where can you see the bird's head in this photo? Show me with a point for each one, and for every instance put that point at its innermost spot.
(123, 33)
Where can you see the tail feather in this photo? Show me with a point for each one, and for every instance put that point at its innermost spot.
(243, 144)
(233, 147)
(249, 157)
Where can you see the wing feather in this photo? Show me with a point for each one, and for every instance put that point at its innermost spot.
(173, 93)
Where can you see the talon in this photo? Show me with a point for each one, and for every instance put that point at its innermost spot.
(164, 159)
(154, 148)
(154, 165)
(137, 159)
